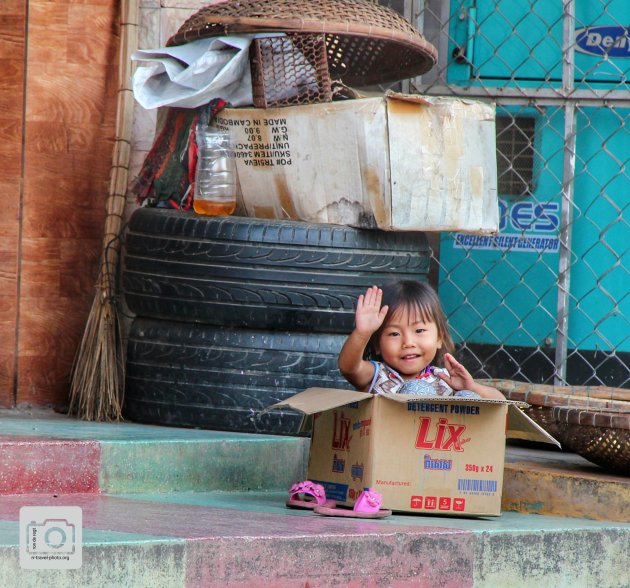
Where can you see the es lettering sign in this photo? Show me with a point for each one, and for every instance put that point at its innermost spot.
(530, 216)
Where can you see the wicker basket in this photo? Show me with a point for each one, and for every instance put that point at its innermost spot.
(601, 436)
(365, 43)
(289, 70)
(599, 392)
(540, 406)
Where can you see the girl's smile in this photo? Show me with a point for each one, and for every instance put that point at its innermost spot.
(408, 344)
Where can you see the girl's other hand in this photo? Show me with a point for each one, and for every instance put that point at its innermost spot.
(459, 377)
(370, 315)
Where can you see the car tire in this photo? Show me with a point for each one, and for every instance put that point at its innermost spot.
(252, 273)
(190, 375)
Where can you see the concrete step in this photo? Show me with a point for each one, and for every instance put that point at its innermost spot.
(206, 540)
(189, 508)
(46, 452)
(49, 453)
(552, 482)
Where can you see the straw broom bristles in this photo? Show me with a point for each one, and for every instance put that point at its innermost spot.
(98, 374)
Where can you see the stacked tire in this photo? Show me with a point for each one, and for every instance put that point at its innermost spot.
(234, 314)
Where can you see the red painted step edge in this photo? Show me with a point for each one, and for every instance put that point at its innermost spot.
(33, 465)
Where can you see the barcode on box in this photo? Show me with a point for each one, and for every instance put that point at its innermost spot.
(472, 486)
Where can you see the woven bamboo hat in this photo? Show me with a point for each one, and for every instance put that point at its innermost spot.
(366, 43)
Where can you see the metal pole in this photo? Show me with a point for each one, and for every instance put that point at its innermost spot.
(568, 186)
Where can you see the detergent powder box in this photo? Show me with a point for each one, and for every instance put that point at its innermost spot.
(394, 162)
(439, 455)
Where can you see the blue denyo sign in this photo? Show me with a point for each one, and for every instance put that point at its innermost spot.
(613, 41)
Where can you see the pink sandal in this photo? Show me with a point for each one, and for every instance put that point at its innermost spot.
(367, 506)
(308, 495)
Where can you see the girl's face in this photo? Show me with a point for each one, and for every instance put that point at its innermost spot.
(408, 344)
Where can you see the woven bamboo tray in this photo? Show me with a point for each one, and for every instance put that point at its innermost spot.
(543, 398)
(599, 392)
(601, 436)
(366, 43)
(592, 421)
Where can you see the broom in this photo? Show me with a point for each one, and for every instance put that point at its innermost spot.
(98, 374)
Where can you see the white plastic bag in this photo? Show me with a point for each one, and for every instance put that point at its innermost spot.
(193, 74)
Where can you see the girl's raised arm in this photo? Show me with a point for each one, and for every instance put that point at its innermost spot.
(369, 317)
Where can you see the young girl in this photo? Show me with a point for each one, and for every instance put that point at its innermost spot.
(403, 327)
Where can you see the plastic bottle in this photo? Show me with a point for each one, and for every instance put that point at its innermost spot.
(215, 177)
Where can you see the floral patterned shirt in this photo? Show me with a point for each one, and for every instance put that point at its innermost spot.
(388, 381)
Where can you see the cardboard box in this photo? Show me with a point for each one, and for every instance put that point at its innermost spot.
(434, 455)
(397, 162)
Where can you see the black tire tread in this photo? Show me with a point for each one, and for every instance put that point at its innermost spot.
(220, 378)
(248, 272)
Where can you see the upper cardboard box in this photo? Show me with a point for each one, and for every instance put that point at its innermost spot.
(396, 162)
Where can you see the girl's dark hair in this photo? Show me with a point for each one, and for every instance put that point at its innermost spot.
(419, 299)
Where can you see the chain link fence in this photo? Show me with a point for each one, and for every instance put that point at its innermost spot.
(547, 299)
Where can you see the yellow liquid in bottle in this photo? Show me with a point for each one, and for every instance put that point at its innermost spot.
(213, 208)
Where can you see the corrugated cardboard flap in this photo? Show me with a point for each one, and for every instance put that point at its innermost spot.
(488, 108)
(404, 398)
(520, 426)
(314, 400)
(415, 98)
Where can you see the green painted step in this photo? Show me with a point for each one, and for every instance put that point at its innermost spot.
(60, 454)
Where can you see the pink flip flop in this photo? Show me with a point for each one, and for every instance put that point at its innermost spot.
(308, 495)
(367, 506)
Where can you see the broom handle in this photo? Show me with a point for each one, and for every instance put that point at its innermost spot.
(116, 198)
